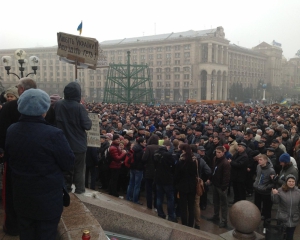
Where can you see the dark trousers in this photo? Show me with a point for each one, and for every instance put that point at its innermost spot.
(264, 204)
(249, 182)
(150, 193)
(113, 183)
(104, 175)
(239, 191)
(220, 202)
(77, 174)
(38, 229)
(90, 170)
(290, 233)
(169, 191)
(203, 198)
(187, 201)
(10, 216)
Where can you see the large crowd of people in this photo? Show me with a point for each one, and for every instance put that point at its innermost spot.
(252, 150)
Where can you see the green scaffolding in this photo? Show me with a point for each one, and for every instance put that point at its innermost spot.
(128, 83)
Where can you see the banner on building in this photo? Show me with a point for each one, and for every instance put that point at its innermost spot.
(93, 135)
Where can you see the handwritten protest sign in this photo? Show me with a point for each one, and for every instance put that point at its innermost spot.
(93, 135)
(82, 49)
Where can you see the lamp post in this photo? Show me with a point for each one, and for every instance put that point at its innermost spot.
(20, 55)
(264, 86)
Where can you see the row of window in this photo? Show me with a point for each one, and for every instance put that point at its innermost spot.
(150, 49)
(176, 76)
(168, 84)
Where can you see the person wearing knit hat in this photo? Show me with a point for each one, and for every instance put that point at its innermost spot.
(288, 199)
(11, 94)
(287, 168)
(38, 155)
(34, 102)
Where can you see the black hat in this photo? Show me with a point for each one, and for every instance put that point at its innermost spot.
(261, 141)
(275, 141)
(204, 137)
(271, 149)
(201, 148)
(198, 129)
(141, 128)
(227, 130)
(255, 153)
(232, 136)
(235, 128)
(115, 136)
(103, 136)
(210, 128)
(242, 144)
(249, 131)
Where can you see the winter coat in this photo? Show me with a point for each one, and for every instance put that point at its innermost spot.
(38, 153)
(72, 118)
(148, 160)
(117, 156)
(138, 164)
(263, 183)
(164, 168)
(239, 165)
(185, 176)
(288, 208)
(9, 114)
(221, 173)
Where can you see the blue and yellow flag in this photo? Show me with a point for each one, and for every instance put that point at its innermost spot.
(284, 101)
(80, 28)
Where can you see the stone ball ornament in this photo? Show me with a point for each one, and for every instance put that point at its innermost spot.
(245, 218)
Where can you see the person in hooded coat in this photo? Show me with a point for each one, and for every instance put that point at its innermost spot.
(72, 118)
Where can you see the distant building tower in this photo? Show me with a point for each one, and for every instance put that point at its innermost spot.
(128, 83)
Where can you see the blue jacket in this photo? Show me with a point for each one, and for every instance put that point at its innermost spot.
(72, 118)
(37, 155)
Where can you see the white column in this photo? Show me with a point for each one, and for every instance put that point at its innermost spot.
(209, 57)
(220, 86)
(216, 53)
(222, 54)
(225, 87)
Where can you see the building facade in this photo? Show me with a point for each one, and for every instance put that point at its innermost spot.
(200, 65)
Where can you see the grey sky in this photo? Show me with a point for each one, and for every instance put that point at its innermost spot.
(34, 23)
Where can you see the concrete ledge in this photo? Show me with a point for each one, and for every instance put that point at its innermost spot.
(123, 217)
(75, 219)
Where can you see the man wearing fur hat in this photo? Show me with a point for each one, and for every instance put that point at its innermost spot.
(9, 115)
(37, 164)
(72, 118)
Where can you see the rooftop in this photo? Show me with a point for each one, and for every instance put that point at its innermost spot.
(161, 37)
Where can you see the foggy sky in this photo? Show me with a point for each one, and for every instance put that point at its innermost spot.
(34, 23)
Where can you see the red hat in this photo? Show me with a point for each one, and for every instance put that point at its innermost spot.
(226, 146)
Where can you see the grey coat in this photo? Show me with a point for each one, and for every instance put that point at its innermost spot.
(289, 203)
(263, 183)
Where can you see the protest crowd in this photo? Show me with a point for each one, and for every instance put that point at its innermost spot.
(240, 150)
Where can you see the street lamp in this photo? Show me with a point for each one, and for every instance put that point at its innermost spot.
(20, 56)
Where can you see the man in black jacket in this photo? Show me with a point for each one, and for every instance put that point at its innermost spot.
(164, 180)
(220, 179)
(239, 165)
